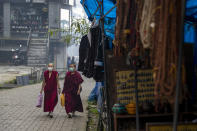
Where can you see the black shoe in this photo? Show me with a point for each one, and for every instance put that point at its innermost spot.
(51, 115)
(69, 116)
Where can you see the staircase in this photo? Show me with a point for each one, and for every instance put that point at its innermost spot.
(37, 52)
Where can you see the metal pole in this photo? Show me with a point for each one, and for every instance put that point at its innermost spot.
(178, 80)
(109, 11)
(105, 74)
(137, 102)
(95, 12)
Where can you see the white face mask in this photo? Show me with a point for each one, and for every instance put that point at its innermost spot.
(50, 68)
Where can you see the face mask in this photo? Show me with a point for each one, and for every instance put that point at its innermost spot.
(50, 68)
(71, 69)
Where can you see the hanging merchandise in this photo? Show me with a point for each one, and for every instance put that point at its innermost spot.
(147, 24)
(92, 53)
(98, 64)
(122, 35)
(165, 51)
(83, 52)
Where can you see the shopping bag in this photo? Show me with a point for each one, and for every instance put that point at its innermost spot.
(62, 98)
(39, 102)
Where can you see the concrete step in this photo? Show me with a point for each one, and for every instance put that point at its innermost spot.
(38, 44)
(37, 50)
(38, 41)
(36, 54)
(36, 58)
(36, 61)
(36, 65)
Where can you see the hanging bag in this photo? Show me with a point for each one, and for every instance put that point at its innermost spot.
(39, 102)
(62, 98)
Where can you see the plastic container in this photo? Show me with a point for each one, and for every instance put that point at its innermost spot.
(131, 109)
(119, 109)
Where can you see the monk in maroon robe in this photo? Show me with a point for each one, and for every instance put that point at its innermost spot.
(72, 89)
(50, 85)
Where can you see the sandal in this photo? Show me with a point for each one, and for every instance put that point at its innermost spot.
(73, 114)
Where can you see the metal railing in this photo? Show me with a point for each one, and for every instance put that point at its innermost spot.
(47, 48)
(28, 41)
(22, 35)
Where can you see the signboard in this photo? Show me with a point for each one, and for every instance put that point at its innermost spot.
(38, 1)
(168, 127)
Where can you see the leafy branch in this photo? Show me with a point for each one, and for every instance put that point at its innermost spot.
(79, 27)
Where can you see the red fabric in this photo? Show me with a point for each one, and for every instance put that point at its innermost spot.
(71, 86)
(50, 91)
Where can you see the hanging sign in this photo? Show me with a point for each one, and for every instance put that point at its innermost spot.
(168, 127)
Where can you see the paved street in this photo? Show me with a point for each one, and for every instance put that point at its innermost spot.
(18, 111)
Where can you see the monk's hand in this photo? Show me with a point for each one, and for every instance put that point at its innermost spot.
(78, 92)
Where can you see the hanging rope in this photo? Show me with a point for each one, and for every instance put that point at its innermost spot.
(147, 23)
(165, 50)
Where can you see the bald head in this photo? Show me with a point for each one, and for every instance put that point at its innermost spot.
(50, 66)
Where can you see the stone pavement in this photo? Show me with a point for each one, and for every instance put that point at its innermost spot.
(18, 111)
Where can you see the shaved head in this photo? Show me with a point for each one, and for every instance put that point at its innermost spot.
(50, 65)
(72, 65)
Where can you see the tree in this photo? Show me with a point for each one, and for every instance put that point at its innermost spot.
(73, 34)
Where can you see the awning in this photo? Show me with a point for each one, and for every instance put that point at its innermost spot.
(93, 11)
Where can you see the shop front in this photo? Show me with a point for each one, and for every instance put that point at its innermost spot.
(149, 74)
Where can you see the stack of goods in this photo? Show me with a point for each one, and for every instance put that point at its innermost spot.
(125, 84)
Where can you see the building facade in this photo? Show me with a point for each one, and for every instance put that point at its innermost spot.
(26, 23)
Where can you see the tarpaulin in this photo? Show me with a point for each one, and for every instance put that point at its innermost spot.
(92, 10)
(190, 33)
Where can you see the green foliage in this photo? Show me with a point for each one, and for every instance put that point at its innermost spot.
(73, 34)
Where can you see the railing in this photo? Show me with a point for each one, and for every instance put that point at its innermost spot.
(28, 41)
(47, 48)
(22, 35)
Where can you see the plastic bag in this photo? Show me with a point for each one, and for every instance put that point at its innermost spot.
(62, 98)
(39, 102)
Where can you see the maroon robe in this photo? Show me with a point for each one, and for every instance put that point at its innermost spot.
(50, 91)
(71, 86)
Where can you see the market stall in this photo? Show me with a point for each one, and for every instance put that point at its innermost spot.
(147, 75)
